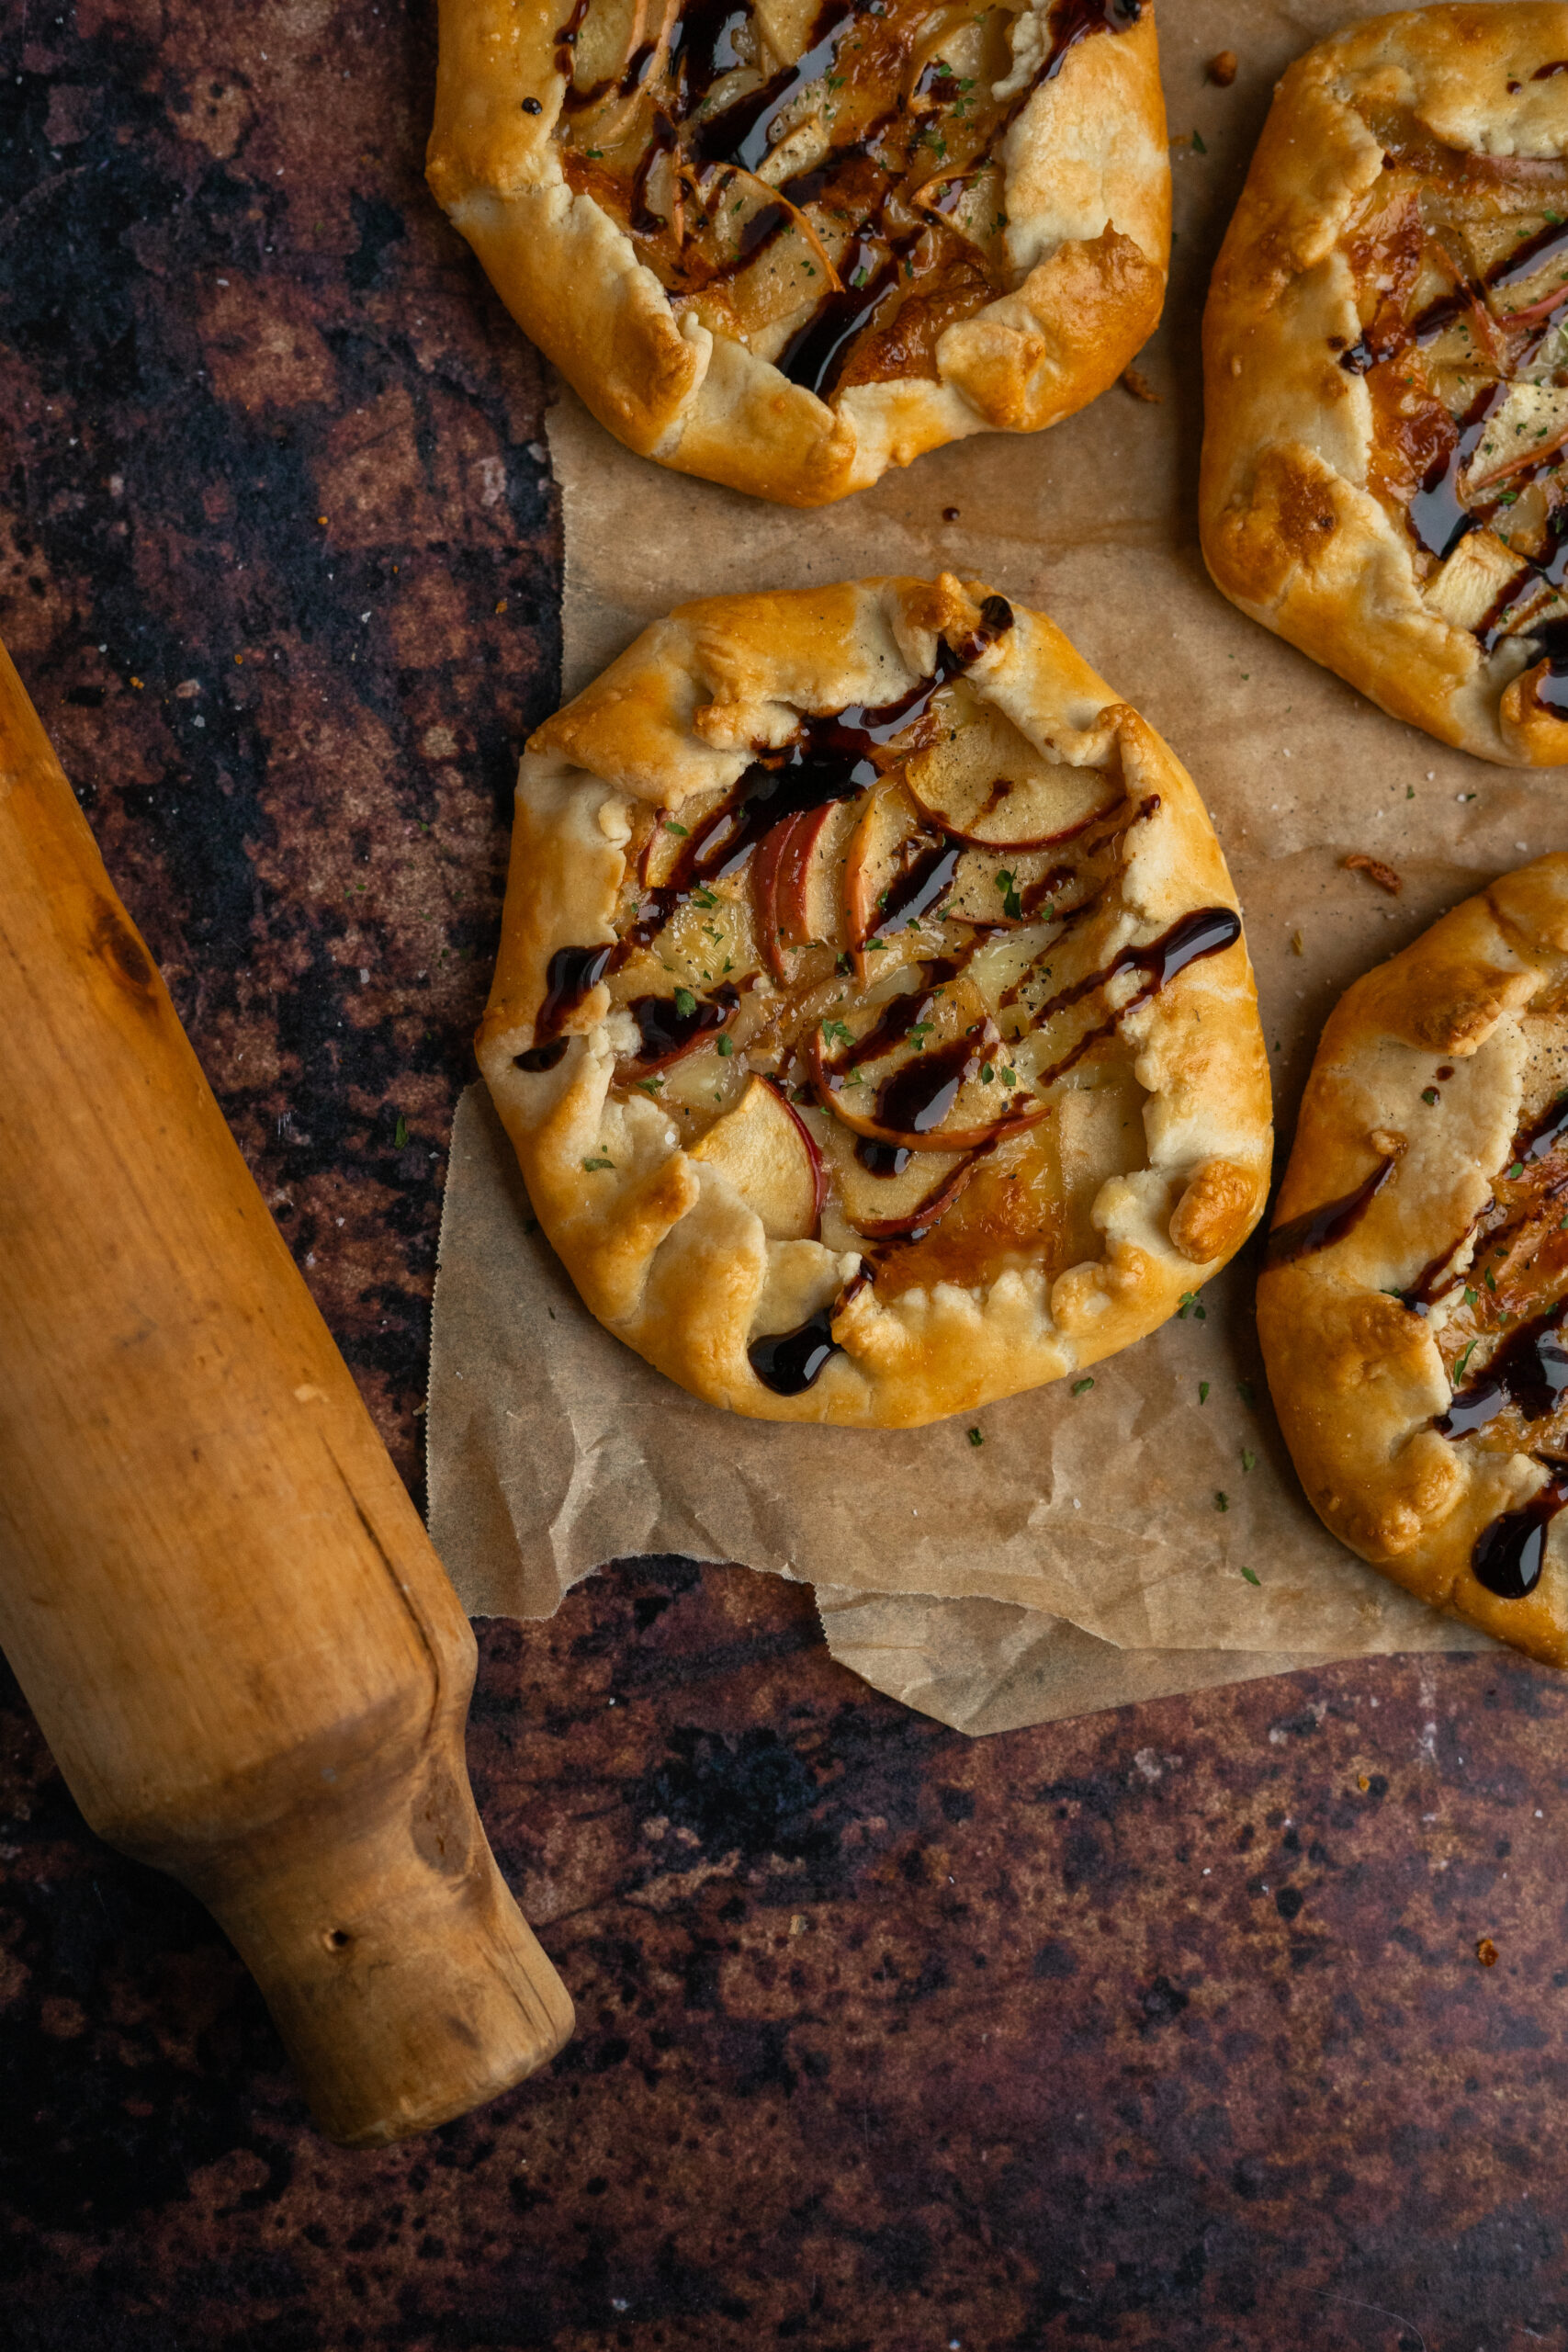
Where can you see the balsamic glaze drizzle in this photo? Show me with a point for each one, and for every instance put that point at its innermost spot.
(1530, 1370)
(665, 1032)
(830, 759)
(1544, 1136)
(568, 976)
(788, 1362)
(1438, 514)
(1320, 1228)
(1510, 1553)
(1209, 931)
(741, 134)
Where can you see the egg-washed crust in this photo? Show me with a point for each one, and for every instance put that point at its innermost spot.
(1087, 247)
(1292, 528)
(660, 1243)
(1429, 1066)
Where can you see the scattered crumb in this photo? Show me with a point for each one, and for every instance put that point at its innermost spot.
(1134, 381)
(1375, 871)
(1486, 1952)
(1221, 69)
(950, 514)
(1298, 944)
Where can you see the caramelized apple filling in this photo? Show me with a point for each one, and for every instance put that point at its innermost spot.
(1461, 264)
(882, 979)
(820, 180)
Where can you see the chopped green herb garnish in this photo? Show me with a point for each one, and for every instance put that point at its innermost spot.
(1012, 905)
(1222, 1500)
(1081, 1385)
(592, 1164)
(1429, 1094)
(649, 1085)
(1198, 146)
(671, 827)
(1251, 1578)
(986, 1073)
(1462, 1359)
(838, 1033)
(1243, 1390)
(975, 1438)
(1516, 1171)
(400, 1132)
(1203, 1391)
(1249, 1461)
(725, 1047)
(686, 1003)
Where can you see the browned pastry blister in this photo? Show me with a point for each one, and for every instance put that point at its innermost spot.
(1413, 1305)
(873, 1020)
(1385, 459)
(786, 244)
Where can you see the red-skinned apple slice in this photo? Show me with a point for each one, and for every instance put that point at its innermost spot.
(905, 1198)
(834, 1098)
(770, 1155)
(987, 784)
(780, 871)
(876, 865)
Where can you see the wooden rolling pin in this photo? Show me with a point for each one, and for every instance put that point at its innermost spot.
(215, 1592)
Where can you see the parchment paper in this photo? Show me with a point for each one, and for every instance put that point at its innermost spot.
(1081, 1553)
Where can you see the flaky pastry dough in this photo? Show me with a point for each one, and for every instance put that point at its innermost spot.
(947, 220)
(1418, 1265)
(1386, 373)
(872, 1020)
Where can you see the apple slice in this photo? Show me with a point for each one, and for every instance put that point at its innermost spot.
(896, 873)
(769, 1154)
(791, 908)
(1009, 887)
(886, 1191)
(920, 1082)
(987, 784)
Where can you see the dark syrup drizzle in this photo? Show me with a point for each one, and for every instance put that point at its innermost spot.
(541, 1057)
(740, 135)
(788, 1362)
(1439, 518)
(665, 1033)
(1510, 1553)
(1207, 932)
(1320, 1228)
(1531, 1370)
(1544, 1136)
(568, 976)
(830, 759)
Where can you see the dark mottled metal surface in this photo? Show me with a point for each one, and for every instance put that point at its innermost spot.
(1164, 2030)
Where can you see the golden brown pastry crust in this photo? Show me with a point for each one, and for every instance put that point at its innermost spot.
(664, 1244)
(1429, 1069)
(1087, 232)
(1293, 526)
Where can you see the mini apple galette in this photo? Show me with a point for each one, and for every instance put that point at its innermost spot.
(786, 244)
(1414, 1301)
(1385, 464)
(872, 1019)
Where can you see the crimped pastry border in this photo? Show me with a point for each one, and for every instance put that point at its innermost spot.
(1289, 530)
(662, 1248)
(1089, 183)
(1357, 1377)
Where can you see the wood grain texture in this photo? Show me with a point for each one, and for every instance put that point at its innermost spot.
(213, 1587)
